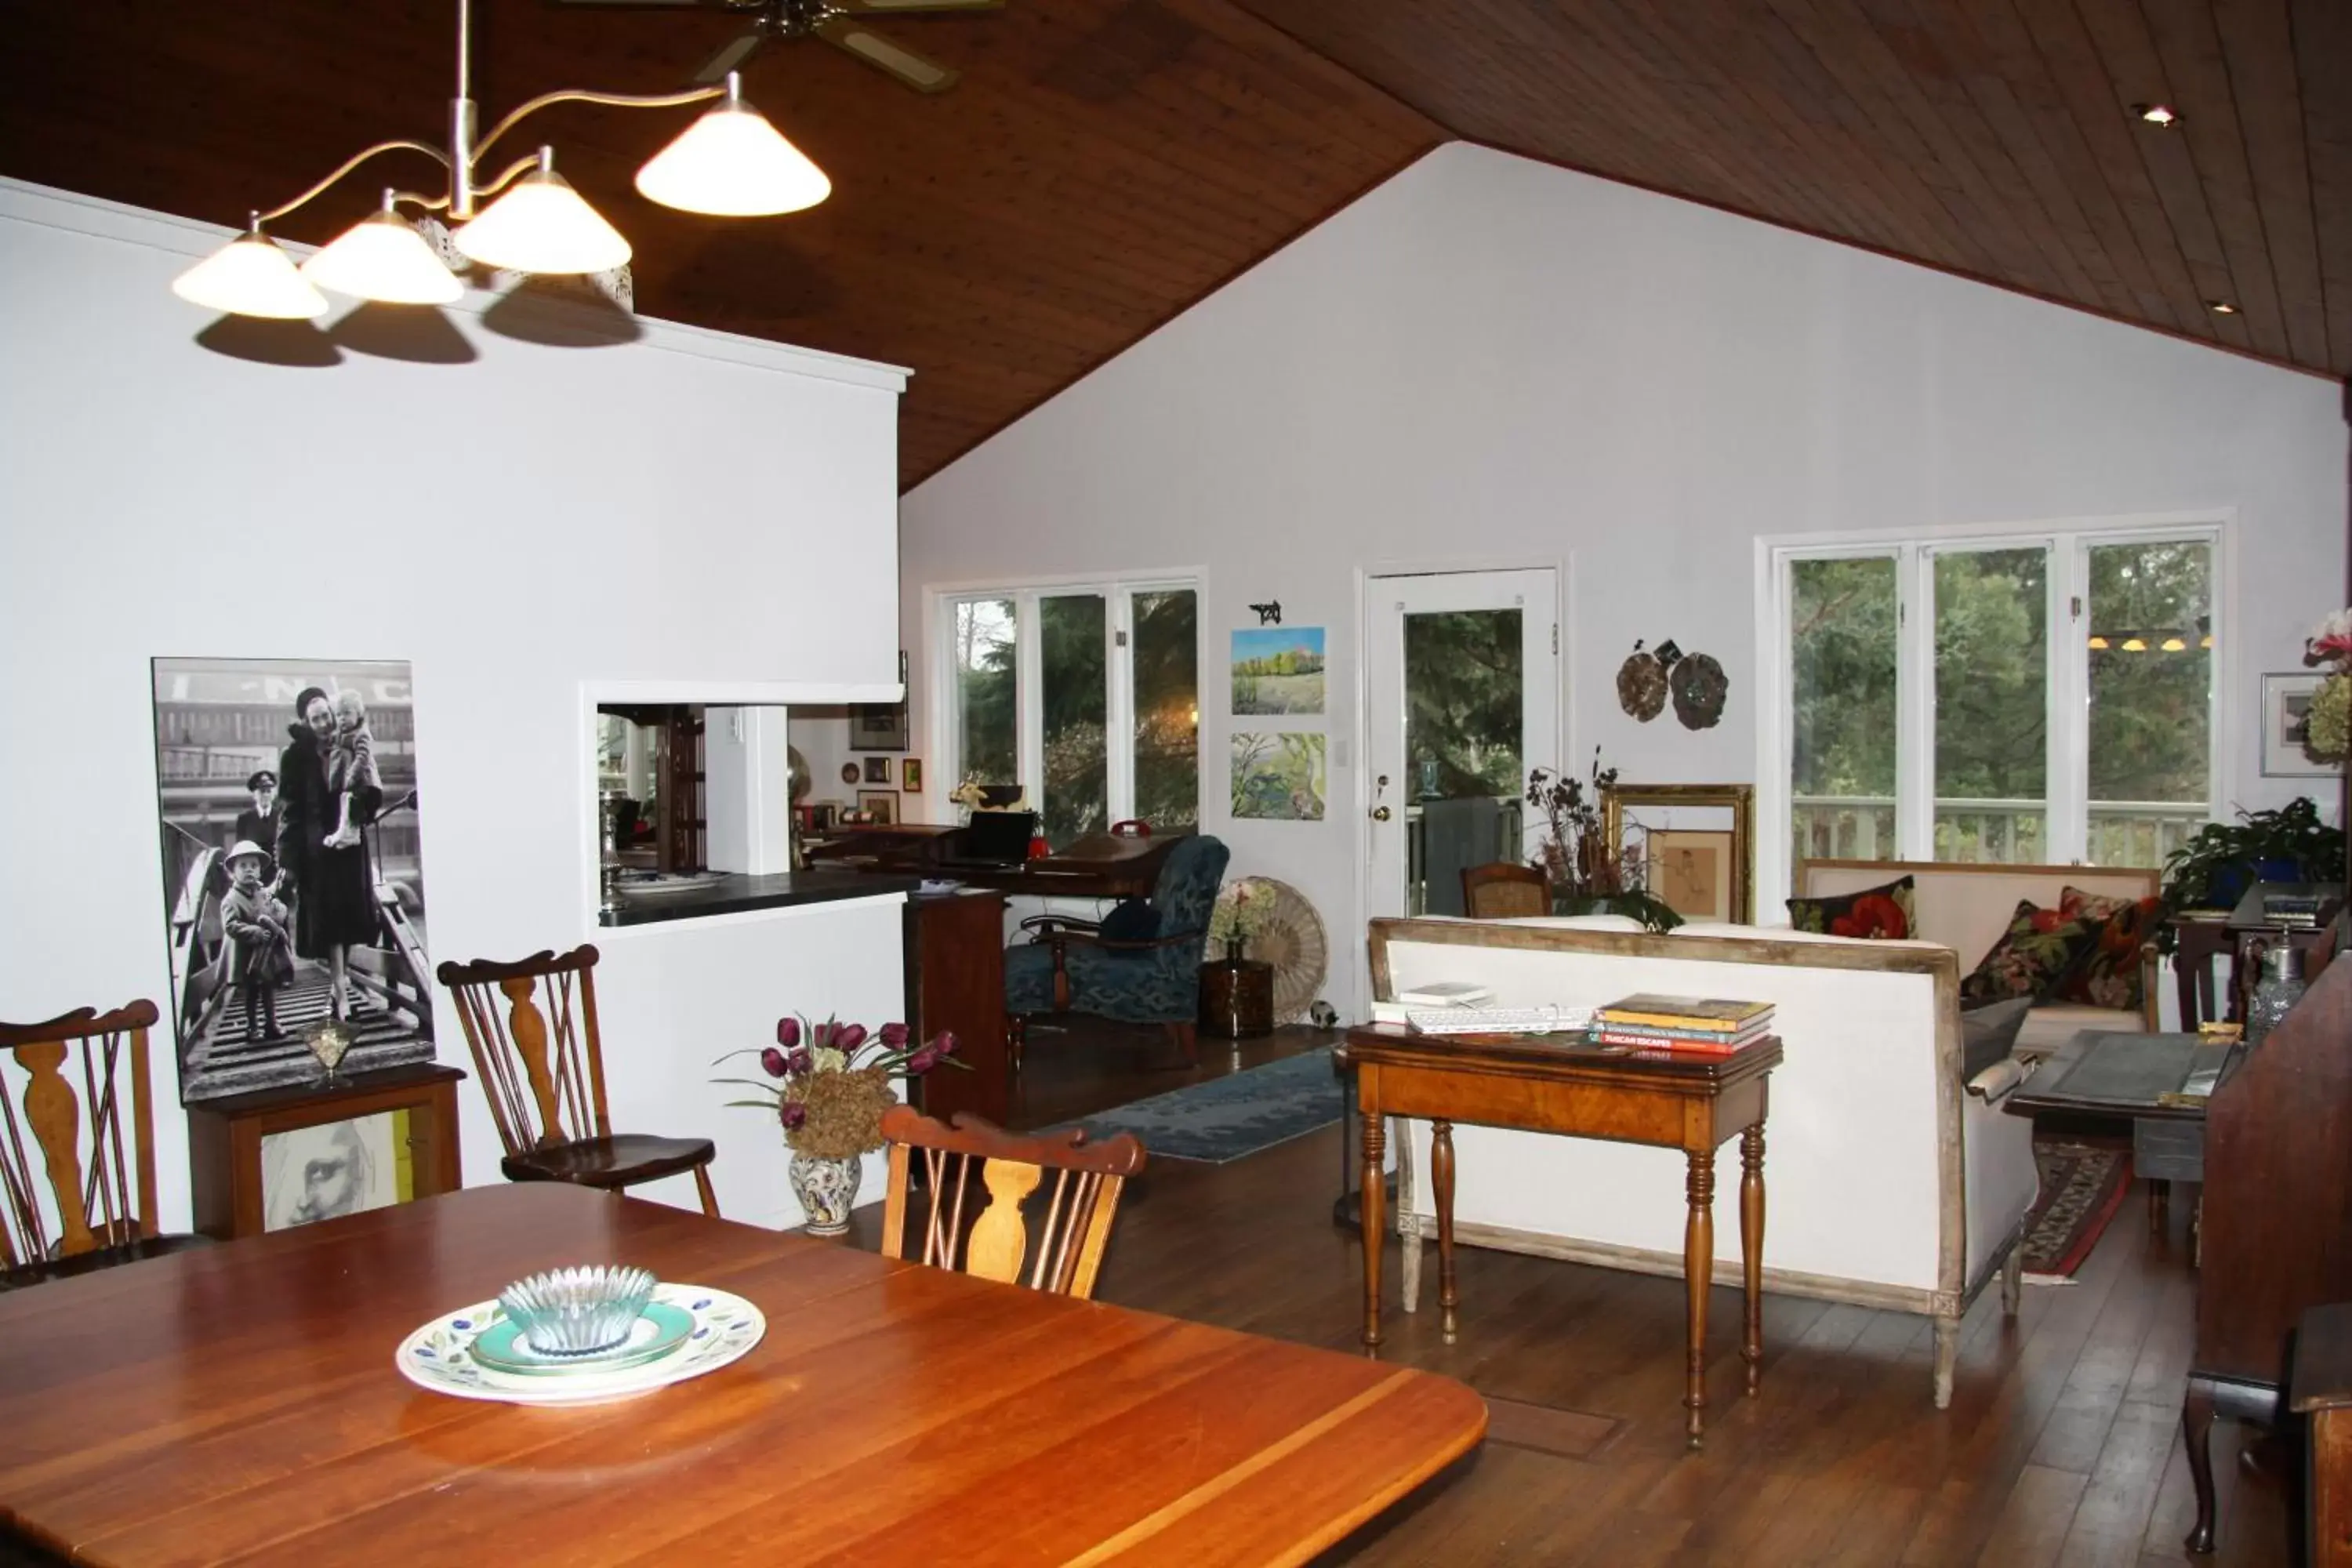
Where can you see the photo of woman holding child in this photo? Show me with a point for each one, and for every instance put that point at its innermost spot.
(327, 790)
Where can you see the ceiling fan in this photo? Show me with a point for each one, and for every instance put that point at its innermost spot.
(840, 22)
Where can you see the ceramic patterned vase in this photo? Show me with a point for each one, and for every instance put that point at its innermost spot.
(826, 1189)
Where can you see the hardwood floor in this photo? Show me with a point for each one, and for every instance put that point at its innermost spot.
(2060, 1445)
(1076, 1066)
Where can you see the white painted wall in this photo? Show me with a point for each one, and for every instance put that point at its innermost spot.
(1492, 362)
(533, 530)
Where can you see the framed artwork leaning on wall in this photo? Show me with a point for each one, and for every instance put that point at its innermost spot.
(1693, 844)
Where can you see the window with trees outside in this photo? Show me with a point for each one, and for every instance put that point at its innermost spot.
(1086, 696)
(2043, 700)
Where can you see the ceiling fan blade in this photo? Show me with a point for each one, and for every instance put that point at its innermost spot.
(885, 54)
(878, 8)
(730, 59)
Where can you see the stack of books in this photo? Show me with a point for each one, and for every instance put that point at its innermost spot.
(1687, 1026)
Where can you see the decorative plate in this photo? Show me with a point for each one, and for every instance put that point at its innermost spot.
(439, 1357)
(1641, 684)
(1292, 940)
(660, 1329)
(1699, 687)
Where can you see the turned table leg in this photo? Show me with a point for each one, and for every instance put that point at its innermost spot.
(1441, 1181)
(2195, 1435)
(1373, 1188)
(1699, 1276)
(1751, 1250)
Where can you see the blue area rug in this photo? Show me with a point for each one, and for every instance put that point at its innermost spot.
(1230, 1117)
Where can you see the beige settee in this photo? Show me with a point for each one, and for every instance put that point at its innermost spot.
(1966, 908)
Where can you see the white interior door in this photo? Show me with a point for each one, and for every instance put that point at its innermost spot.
(1463, 690)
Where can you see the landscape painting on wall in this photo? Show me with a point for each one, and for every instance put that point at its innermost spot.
(293, 880)
(1278, 669)
(1278, 776)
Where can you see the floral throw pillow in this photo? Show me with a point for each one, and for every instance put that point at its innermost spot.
(1881, 911)
(2109, 975)
(2031, 957)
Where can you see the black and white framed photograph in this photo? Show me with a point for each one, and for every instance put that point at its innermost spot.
(293, 874)
(310, 1173)
(2286, 727)
(878, 770)
(877, 726)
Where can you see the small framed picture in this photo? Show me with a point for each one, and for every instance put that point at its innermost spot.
(2286, 726)
(880, 806)
(877, 727)
(911, 775)
(1690, 871)
(335, 1168)
(878, 770)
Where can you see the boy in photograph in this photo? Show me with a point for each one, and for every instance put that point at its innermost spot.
(260, 955)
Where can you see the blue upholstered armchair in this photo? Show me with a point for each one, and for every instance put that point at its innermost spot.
(1141, 966)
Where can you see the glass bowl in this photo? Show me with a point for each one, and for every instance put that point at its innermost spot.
(578, 1312)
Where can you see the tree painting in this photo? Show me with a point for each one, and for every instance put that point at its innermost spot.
(1278, 776)
(1278, 669)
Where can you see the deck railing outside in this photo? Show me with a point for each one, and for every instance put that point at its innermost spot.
(1999, 832)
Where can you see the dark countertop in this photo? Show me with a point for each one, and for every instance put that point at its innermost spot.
(736, 893)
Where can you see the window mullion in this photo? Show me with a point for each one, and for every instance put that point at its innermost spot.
(1118, 703)
(1029, 675)
(2069, 756)
(1914, 706)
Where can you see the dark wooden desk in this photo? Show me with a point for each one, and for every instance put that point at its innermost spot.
(240, 1402)
(1097, 867)
(1559, 1084)
(955, 981)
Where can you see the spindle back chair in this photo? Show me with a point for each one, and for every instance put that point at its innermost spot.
(531, 1026)
(1078, 1206)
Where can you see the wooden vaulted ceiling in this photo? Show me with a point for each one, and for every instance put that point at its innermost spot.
(1106, 164)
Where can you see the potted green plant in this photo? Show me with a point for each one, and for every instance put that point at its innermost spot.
(2214, 869)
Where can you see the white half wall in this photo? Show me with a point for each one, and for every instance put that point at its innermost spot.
(1490, 361)
(689, 514)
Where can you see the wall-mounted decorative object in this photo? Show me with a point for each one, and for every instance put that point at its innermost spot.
(911, 775)
(1269, 614)
(2288, 699)
(1641, 684)
(1694, 843)
(877, 726)
(292, 880)
(878, 770)
(1699, 688)
(880, 806)
(849, 772)
(1278, 671)
(1278, 775)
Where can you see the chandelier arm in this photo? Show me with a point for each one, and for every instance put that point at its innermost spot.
(583, 95)
(354, 162)
(507, 176)
(417, 198)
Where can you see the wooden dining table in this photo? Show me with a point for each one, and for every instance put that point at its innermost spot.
(241, 1404)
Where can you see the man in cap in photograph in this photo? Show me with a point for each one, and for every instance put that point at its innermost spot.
(260, 825)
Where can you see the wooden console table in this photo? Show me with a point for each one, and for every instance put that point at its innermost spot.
(224, 1136)
(1562, 1084)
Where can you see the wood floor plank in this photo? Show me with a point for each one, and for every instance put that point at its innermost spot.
(2031, 1528)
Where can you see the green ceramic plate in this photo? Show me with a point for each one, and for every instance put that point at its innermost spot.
(658, 1330)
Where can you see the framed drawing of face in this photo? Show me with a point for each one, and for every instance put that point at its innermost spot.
(1689, 871)
(1693, 844)
(332, 1169)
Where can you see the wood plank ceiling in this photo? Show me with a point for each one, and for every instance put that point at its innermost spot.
(1106, 164)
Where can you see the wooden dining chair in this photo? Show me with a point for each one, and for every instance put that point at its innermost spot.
(533, 1028)
(989, 1236)
(96, 1214)
(1503, 891)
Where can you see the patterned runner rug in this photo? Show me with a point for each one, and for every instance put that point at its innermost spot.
(1227, 1118)
(2082, 1185)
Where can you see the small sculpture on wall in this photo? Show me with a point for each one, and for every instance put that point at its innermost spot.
(1700, 688)
(1269, 614)
(1641, 684)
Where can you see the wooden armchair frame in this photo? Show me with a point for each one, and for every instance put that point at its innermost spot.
(1497, 890)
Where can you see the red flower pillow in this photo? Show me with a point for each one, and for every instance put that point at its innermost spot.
(2109, 975)
(1882, 912)
(2037, 952)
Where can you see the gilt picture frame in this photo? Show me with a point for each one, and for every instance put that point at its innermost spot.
(1695, 841)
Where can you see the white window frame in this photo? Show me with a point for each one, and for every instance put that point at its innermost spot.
(2068, 541)
(1118, 594)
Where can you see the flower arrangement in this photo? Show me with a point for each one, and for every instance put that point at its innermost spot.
(829, 1083)
(2329, 736)
(1240, 914)
(1574, 854)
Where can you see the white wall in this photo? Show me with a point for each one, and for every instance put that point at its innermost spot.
(1492, 362)
(687, 515)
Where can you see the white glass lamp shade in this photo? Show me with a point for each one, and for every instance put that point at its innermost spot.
(383, 259)
(732, 163)
(251, 276)
(542, 225)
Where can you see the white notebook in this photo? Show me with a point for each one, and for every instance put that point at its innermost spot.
(1446, 994)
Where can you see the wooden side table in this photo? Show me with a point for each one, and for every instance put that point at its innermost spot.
(225, 1137)
(1545, 1083)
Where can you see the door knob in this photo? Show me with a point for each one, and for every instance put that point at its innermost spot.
(1380, 814)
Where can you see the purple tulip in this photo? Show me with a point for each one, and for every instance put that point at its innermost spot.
(800, 1061)
(946, 1044)
(773, 1060)
(792, 1114)
(922, 1061)
(894, 1036)
(788, 1032)
(849, 1036)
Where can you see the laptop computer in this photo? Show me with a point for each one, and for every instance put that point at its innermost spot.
(994, 839)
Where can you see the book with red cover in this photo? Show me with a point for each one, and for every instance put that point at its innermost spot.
(1678, 1044)
(1684, 1014)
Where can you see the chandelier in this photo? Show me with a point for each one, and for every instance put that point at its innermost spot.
(730, 162)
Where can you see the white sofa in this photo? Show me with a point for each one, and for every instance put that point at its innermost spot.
(1887, 1184)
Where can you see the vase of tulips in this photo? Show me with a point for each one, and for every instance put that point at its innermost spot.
(828, 1085)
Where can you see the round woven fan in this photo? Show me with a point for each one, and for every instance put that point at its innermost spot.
(1291, 939)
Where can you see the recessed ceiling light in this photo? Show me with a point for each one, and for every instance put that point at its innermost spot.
(2222, 307)
(2161, 115)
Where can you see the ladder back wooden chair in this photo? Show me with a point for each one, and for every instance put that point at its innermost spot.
(984, 1232)
(533, 1028)
(93, 1204)
(1502, 891)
